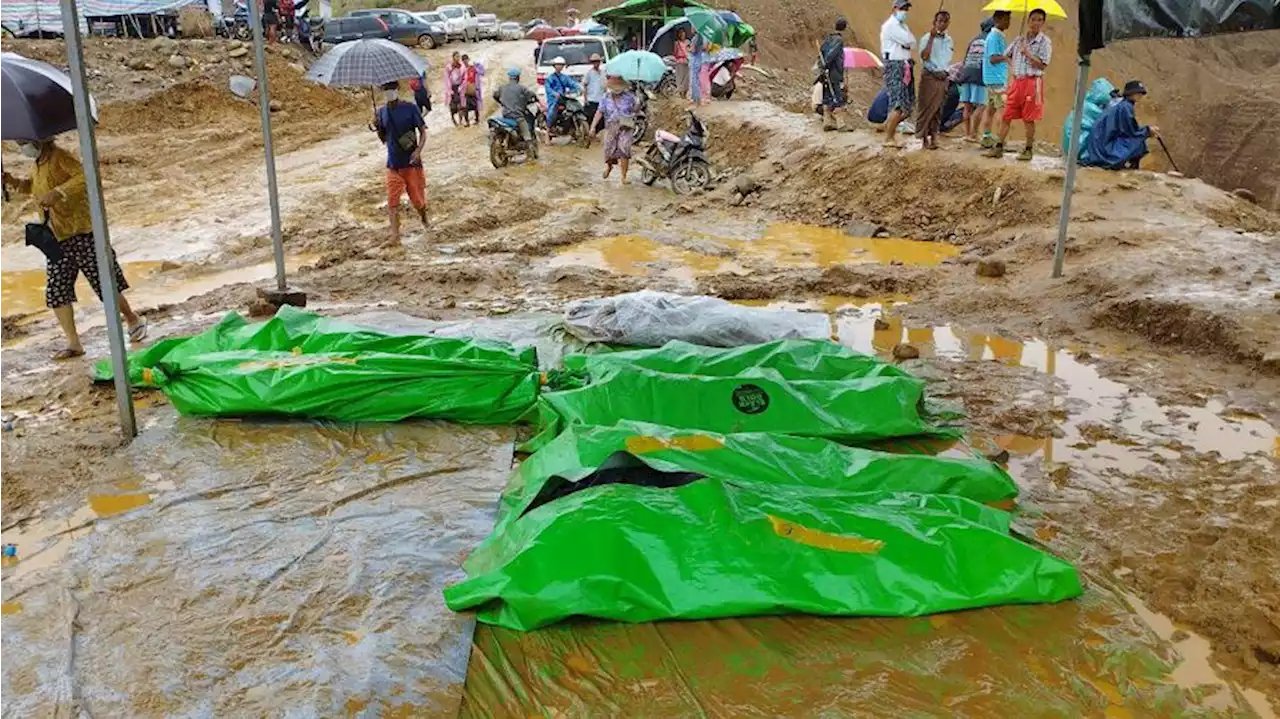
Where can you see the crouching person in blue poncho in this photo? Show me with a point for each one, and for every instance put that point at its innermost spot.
(1117, 141)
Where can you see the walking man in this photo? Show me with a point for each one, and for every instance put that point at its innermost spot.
(833, 87)
(936, 49)
(896, 42)
(995, 73)
(594, 90)
(1029, 56)
(402, 129)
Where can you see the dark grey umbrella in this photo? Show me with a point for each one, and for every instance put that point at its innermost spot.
(35, 99)
(369, 62)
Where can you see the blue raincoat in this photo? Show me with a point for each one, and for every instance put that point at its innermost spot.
(1117, 138)
(557, 84)
(1096, 102)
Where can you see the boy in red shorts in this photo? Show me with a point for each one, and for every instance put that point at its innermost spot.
(1029, 55)
(400, 126)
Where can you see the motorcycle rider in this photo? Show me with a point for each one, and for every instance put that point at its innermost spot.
(557, 84)
(514, 99)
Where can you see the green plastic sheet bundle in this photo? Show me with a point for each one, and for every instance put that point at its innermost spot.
(733, 525)
(300, 364)
(810, 388)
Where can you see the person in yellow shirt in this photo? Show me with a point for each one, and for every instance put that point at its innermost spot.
(57, 182)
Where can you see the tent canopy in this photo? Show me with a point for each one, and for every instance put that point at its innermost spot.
(645, 10)
(1103, 23)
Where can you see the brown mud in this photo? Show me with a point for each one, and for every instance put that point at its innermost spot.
(1135, 398)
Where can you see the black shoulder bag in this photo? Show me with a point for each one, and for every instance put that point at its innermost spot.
(41, 237)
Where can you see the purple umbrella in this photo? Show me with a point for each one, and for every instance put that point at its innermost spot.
(35, 99)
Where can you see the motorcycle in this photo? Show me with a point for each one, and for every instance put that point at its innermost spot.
(682, 160)
(572, 120)
(505, 140)
(644, 93)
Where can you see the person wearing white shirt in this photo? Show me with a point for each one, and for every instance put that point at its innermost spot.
(896, 42)
(936, 49)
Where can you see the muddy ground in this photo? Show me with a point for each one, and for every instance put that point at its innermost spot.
(1136, 398)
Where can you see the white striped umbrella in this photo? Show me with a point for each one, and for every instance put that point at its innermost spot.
(368, 62)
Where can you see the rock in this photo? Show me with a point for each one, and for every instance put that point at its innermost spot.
(863, 229)
(904, 351)
(1271, 362)
(1175, 173)
(1179, 635)
(736, 200)
(242, 85)
(881, 324)
(299, 67)
(177, 61)
(165, 44)
(235, 44)
(1245, 194)
(136, 63)
(991, 268)
(148, 66)
(745, 185)
(238, 52)
(275, 106)
(169, 266)
(261, 308)
(1127, 185)
(684, 209)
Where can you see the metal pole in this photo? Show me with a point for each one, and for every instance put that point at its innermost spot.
(98, 216)
(264, 106)
(1073, 156)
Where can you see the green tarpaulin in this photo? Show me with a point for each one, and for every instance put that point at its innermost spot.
(811, 388)
(299, 364)
(706, 526)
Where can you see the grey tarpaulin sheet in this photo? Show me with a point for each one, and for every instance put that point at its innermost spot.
(230, 568)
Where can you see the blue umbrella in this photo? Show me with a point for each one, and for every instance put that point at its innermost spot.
(637, 66)
(731, 17)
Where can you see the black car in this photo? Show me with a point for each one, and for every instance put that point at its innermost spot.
(406, 28)
(346, 29)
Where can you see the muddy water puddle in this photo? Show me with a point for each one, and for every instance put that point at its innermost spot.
(686, 254)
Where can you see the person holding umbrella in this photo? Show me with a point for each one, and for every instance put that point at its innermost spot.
(57, 182)
(617, 109)
(37, 105)
(401, 128)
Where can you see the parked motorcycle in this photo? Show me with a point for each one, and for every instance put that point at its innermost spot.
(505, 140)
(682, 160)
(644, 93)
(572, 120)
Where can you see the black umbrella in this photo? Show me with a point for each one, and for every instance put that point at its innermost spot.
(35, 99)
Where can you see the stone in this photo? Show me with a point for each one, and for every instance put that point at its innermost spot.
(235, 44)
(863, 229)
(1271, 362)
(905, 351)
(275, 106)
(261, 308)
(1127, 185)
(242, 85)
(745, 185)
(881, 324)
(1245, 194)
(238, 52)
(684, 209)
(177, 61)
(990, 268)
(136, 63)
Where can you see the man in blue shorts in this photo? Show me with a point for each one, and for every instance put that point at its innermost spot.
(973, 93)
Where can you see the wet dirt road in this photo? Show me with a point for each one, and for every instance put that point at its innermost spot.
(1154, 470)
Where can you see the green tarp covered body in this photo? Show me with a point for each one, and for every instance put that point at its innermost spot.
(730, 541)
(801, 387)
(299, 364)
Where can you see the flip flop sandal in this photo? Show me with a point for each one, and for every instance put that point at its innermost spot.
(139, 333)
(66, 353)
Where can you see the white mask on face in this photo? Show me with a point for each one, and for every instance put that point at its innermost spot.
(390, 95)
(901, 15)
(29, 149)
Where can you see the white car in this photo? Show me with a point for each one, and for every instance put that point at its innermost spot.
(576, 51)
(435, 20)
(510, 31)
(460, 21)
(487, 25)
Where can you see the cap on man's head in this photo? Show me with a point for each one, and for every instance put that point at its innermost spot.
(841, 24)
(1134, 87)
(901, 4)
(558, 60)
(595, 57)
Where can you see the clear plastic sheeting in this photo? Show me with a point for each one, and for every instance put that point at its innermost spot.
(1088, 658)
(652, 319)
(231, 568)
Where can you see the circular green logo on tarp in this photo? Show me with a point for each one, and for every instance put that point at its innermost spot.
(750, 399)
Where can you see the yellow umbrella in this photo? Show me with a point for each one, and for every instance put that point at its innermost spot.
(1050, 7)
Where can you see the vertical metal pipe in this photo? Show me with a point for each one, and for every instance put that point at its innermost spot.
(1073, 157)
(264, 105)
(98, 216)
